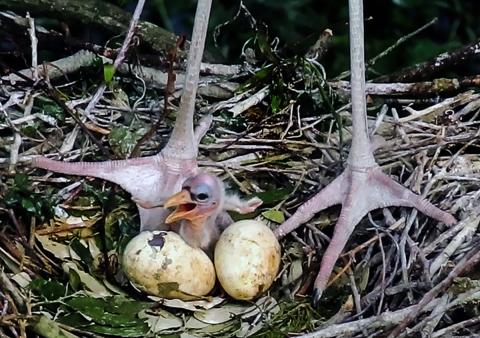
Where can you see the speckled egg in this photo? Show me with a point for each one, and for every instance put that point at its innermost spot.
(160, 263)
(247, 259)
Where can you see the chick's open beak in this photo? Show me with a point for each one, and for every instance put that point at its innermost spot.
(186, 208)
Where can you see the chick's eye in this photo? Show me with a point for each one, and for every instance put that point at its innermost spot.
(201, 197)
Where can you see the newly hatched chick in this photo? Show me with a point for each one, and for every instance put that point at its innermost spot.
(199, 206)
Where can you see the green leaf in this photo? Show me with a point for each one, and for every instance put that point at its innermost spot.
(28, 205)
(84, 303)
(274, 216)
(120, 221)
(273, 195)
(50, 107)
(207, 140)
(108, 72)
(130, 225)
(42, 100)
(30, 129)
(91, 307)
(124, 139)
(102, 195)
(259, 79)
(54, 110)
(21, 181)
(116, 135)
(48, 290)
(122, 305)
(26, 201)
(97, 62)
(275, 104)
(74, 319)
(118, 320)
(133, 331)
(11, 197)
(264, 46)
(75, 280)
(82, 251)
(113, 311)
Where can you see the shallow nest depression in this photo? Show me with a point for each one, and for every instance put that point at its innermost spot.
(61, 236)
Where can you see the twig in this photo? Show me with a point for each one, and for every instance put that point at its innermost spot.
(169, 89)
(372, 61)
(120, 59)
(464, 265)
(434, 65)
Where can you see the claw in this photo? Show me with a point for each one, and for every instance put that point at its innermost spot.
(316, 295)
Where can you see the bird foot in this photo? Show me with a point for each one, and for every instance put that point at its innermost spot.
(360, 191)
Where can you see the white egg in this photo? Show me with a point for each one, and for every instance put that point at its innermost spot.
(247, 259)
(160, 263)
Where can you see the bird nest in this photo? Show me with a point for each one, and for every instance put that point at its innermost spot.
(62, 236)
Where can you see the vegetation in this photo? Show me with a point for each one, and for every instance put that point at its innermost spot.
(62, 236)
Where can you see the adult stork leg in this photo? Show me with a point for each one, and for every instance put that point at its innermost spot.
(362, 187)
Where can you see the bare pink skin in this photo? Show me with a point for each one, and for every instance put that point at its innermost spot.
(148, 179)
(151, 180)
(362, 187)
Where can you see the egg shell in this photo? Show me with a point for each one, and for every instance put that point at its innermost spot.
(247, 259)
(160, 263)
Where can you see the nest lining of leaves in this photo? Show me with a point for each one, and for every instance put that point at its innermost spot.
(62, 236)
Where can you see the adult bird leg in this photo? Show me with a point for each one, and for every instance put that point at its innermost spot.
(151, 180)
(362, 187)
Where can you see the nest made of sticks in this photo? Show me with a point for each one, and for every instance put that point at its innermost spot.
(62, 236)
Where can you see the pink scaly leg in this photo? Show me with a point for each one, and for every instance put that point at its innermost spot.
(151, 180)
(362, 187)
(332, 194)
(369, 190)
